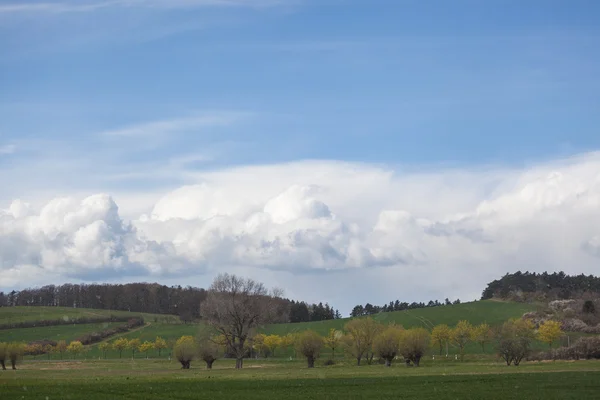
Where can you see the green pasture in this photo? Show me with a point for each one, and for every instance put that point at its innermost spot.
(162, 379)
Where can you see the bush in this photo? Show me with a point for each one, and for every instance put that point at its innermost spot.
(584, 348)
(329, 362)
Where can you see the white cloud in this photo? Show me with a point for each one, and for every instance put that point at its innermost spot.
(409, 235)
(164, 127)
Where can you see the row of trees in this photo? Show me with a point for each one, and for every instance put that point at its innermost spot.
(552, 286)
(135, 346)
(370, 309)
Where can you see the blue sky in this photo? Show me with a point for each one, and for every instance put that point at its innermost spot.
(196, 109)
(411, 82)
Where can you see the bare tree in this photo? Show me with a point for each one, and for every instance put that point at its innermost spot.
(235, 306)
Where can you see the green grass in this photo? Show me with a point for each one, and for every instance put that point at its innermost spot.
(59, 332)
(23, 313)
(492, 312)
(489, 311)
(146, 379)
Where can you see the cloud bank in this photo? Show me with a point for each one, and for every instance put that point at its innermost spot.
(343, 232)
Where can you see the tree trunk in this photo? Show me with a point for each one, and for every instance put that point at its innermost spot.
(388, 362)
(311, 361)
(239, 363)
(441, 348)
(358, 361)
(417, 361)
(209, 364)
(446, 349)
(14, 364)
(3, 365)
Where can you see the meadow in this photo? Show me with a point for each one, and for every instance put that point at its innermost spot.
(276, 379)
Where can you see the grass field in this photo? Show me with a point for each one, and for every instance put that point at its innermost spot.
(59, 332)
(21, 314)
(492, 312)
(146, 379)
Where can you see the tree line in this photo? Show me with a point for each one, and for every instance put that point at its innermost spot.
(525, 285)
(369, 309)
(149, 298)
(303, 312)
(136, 297)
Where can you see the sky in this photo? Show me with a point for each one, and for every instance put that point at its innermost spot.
(345, 151)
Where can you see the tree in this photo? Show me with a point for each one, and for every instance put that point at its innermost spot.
(461, 335)
(160, 344)
(440, 335)
(413, 344)
(208, 347)
(134, 345)
(104, 347)
(482, 334)
(272, 342)
(361, 333)
(387, 343)
(146, 347)
(309, 344)
(48, 349)
(549, 332)
(75, 348)
(61, 347)
(333, 340)
(185, 351)
(235, 306)
(15, 353)
(513, 340)
(258, 344)
(287, 340)
(588, 307)
(3, 355)
(119, 345)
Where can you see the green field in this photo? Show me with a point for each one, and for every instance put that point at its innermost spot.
(489, 311)
(22, 314)
(492, 312)
(59, 332)
(144, 379)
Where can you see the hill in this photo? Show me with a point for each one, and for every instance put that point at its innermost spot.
(10, 315)
(489, 311)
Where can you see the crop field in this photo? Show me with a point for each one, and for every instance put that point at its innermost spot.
(162, 379)
(22, 314)
(56, 333)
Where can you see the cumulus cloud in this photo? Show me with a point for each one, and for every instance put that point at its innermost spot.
(391, 234)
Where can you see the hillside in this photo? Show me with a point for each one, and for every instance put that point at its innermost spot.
(489, 311)
(35, 313)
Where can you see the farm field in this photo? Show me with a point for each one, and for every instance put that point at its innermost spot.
(144, 379)
(23, 314)
(56, 333)
(492, 312)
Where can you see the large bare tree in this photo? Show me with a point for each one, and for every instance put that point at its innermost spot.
(235, 306)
